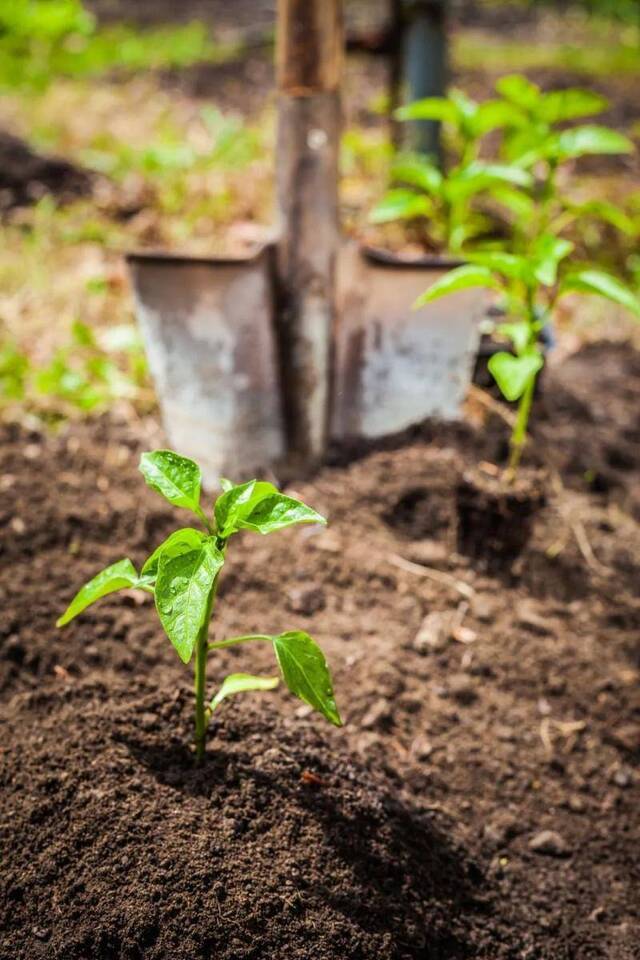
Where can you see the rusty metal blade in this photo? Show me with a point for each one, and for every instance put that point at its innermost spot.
(208, 332)
(395, 366)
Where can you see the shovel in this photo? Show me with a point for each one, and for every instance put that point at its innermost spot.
(261, 362)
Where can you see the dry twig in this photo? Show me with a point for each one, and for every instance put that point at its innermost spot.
(439, 576)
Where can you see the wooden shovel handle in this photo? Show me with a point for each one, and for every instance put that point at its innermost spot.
(309, 47)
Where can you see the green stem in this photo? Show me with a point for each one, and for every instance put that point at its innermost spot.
(519, 435)
(200, 513)
(200, 678)
(219, 644)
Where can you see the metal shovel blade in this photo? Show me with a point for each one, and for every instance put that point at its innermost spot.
(395, 366)
(208, 332)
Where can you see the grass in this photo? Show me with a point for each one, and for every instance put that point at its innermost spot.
(43, 40)
(590, 47)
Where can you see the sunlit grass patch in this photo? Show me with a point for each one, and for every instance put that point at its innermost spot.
(604, 54)
(41, 40)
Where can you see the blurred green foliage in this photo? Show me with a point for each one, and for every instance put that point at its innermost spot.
(42, 39)
(84, 376)
(626, 10)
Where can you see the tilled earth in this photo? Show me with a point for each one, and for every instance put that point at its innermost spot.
(481, 800)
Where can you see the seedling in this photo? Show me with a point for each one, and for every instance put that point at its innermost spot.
(183, 574)
(531, 287)
(536, 138)
(446, 204)
(535, 270)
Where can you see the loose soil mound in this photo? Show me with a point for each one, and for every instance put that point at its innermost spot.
(502, 713)
(277, 847)
(26, 177)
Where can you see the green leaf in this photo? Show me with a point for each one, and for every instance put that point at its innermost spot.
(180, 541)
(277, 512)
(603, 285)
(465, 106)
(183, 592)
(508, 265)
(418, 172)
(527, 145)
(225, 484)
(519, 203)
(118, 576)
(477, 177)
(400, 204)
(560, 105)
(513, 374)
(237, 502)
(518, 332)
(259, 506)
(305, 672)
(432, 108)
(493, 114)
(499, 173)
(547, 253)
(606, 212)
(460, 278)
(519, 90)
(242, 683)
(588, 139)
(177, 478)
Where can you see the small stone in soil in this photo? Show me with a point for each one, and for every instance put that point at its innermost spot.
(464, 635)
(622, 777)
(433, 633)
(499, 831)
(462, 690)
(148, 721)
(504, 733)
(421, 748)
(627, 736)
(550, 843)
(556, 684)
(305, 600)
(14, 649)
(482, 608)
(378, 714)
(532, 621)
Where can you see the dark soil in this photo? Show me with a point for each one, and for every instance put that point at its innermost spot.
(26, 176)
(495, 517)
(480, 712)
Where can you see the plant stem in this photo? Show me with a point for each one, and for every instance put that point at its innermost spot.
(219, 644)
(519, 435)
(200, 678)
(200, 513)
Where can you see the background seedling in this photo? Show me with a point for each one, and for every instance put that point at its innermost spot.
(534, 268)
(447, 203)
(183, 572)
(531, 287)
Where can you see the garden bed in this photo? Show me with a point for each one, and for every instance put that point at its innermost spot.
(481, 800)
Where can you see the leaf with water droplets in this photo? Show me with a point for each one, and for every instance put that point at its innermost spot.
(118, 576)
(184, 589)
(177, 478)
(306, 673)
(258, 505)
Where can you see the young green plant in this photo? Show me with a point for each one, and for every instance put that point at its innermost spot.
(535, 268)
(536, 138)
(531, 287)
(448, 203)
(183, 574)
